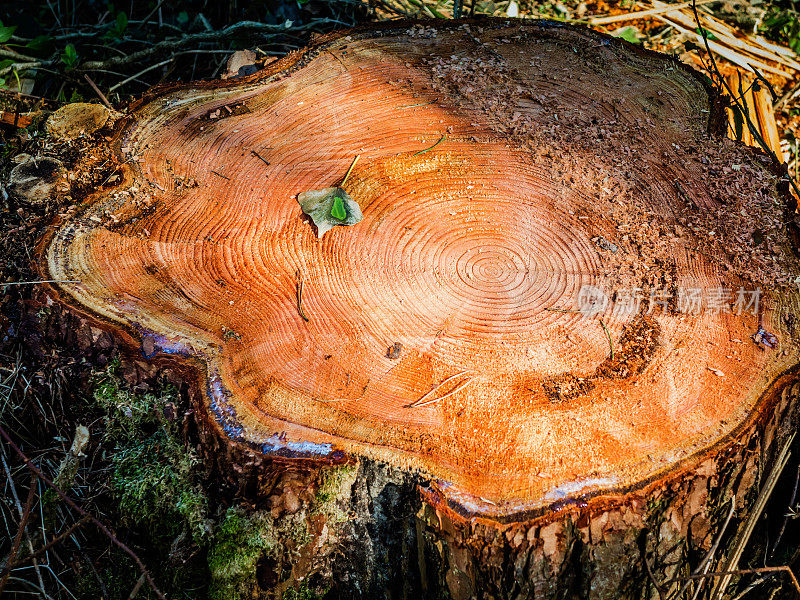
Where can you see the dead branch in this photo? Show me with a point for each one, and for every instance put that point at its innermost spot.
(74, 506)
(23, 523)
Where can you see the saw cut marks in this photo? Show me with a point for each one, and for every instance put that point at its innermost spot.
(504, 170)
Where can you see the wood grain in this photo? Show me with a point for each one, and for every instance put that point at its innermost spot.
(503, 168)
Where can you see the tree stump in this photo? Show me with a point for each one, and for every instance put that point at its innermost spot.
(570, 304)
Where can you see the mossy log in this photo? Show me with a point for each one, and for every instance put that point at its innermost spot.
(570, 303)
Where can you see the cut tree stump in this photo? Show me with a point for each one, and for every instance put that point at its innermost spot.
(571, 302)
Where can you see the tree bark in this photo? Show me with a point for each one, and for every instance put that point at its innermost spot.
(570, 303)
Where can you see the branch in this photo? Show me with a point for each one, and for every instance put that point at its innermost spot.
(740, 106)
(13, 54)
(71, 503)
(23, 523)
(728, 574)
(170, 45)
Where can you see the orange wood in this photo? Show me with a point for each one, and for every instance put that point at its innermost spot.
(499, 167)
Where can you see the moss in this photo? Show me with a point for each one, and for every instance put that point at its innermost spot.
(239, 542)
(336, 485)
(154, 481)
(126, 413)
(303, 592)
(153, 475)
(654, 511)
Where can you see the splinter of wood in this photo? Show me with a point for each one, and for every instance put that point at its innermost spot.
(440, 384)
(300, 295)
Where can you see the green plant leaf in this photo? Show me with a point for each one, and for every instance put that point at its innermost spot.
(329, 207)
(70, 56)
(629, 34)
(40, 43)
(182, 18)
(709, 35)
(6, 33)
(337, 210)
(122, 22)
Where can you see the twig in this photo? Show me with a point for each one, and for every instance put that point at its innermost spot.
(154, 11)
(97, 91)
(650, 574)
(350, 170)
(21, 512)
(23, 523)
(55, 541)
(300, 295)
(441, 139)
(142, 72)
(711, 551)
(136, 588)
(732, 560)
(729, 574)
(416, 105)
(786, 515)
(257, 155)
(640, 14)
(38, 281)
(787, 96)
(608, 335)
(72, 504)
(739, 106)
(170, 45)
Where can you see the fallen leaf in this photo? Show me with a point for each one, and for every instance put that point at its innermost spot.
(329, 207)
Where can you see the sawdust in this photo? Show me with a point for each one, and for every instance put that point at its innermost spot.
(689, 189)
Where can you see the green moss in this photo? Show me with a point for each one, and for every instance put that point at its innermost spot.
(301, 593)
(654, 511)
(153, 474)
(239, 542)
(154, 481)
(336, 484)
(127, 414)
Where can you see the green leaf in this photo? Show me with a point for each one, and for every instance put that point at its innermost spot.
(337, 210)
(6, 33)
(629, 34)
(40, 43)
(122, 22)
(2, 82)
(4, 64)
(182, 18)
(70, 56)
(329, 207)
(709, 35)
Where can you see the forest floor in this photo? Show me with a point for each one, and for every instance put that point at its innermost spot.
(118, 436)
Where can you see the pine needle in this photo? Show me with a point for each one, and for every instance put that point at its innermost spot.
(441, 139)
(608, 335)
(732, 560)
(451, 378)
(352, 164)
